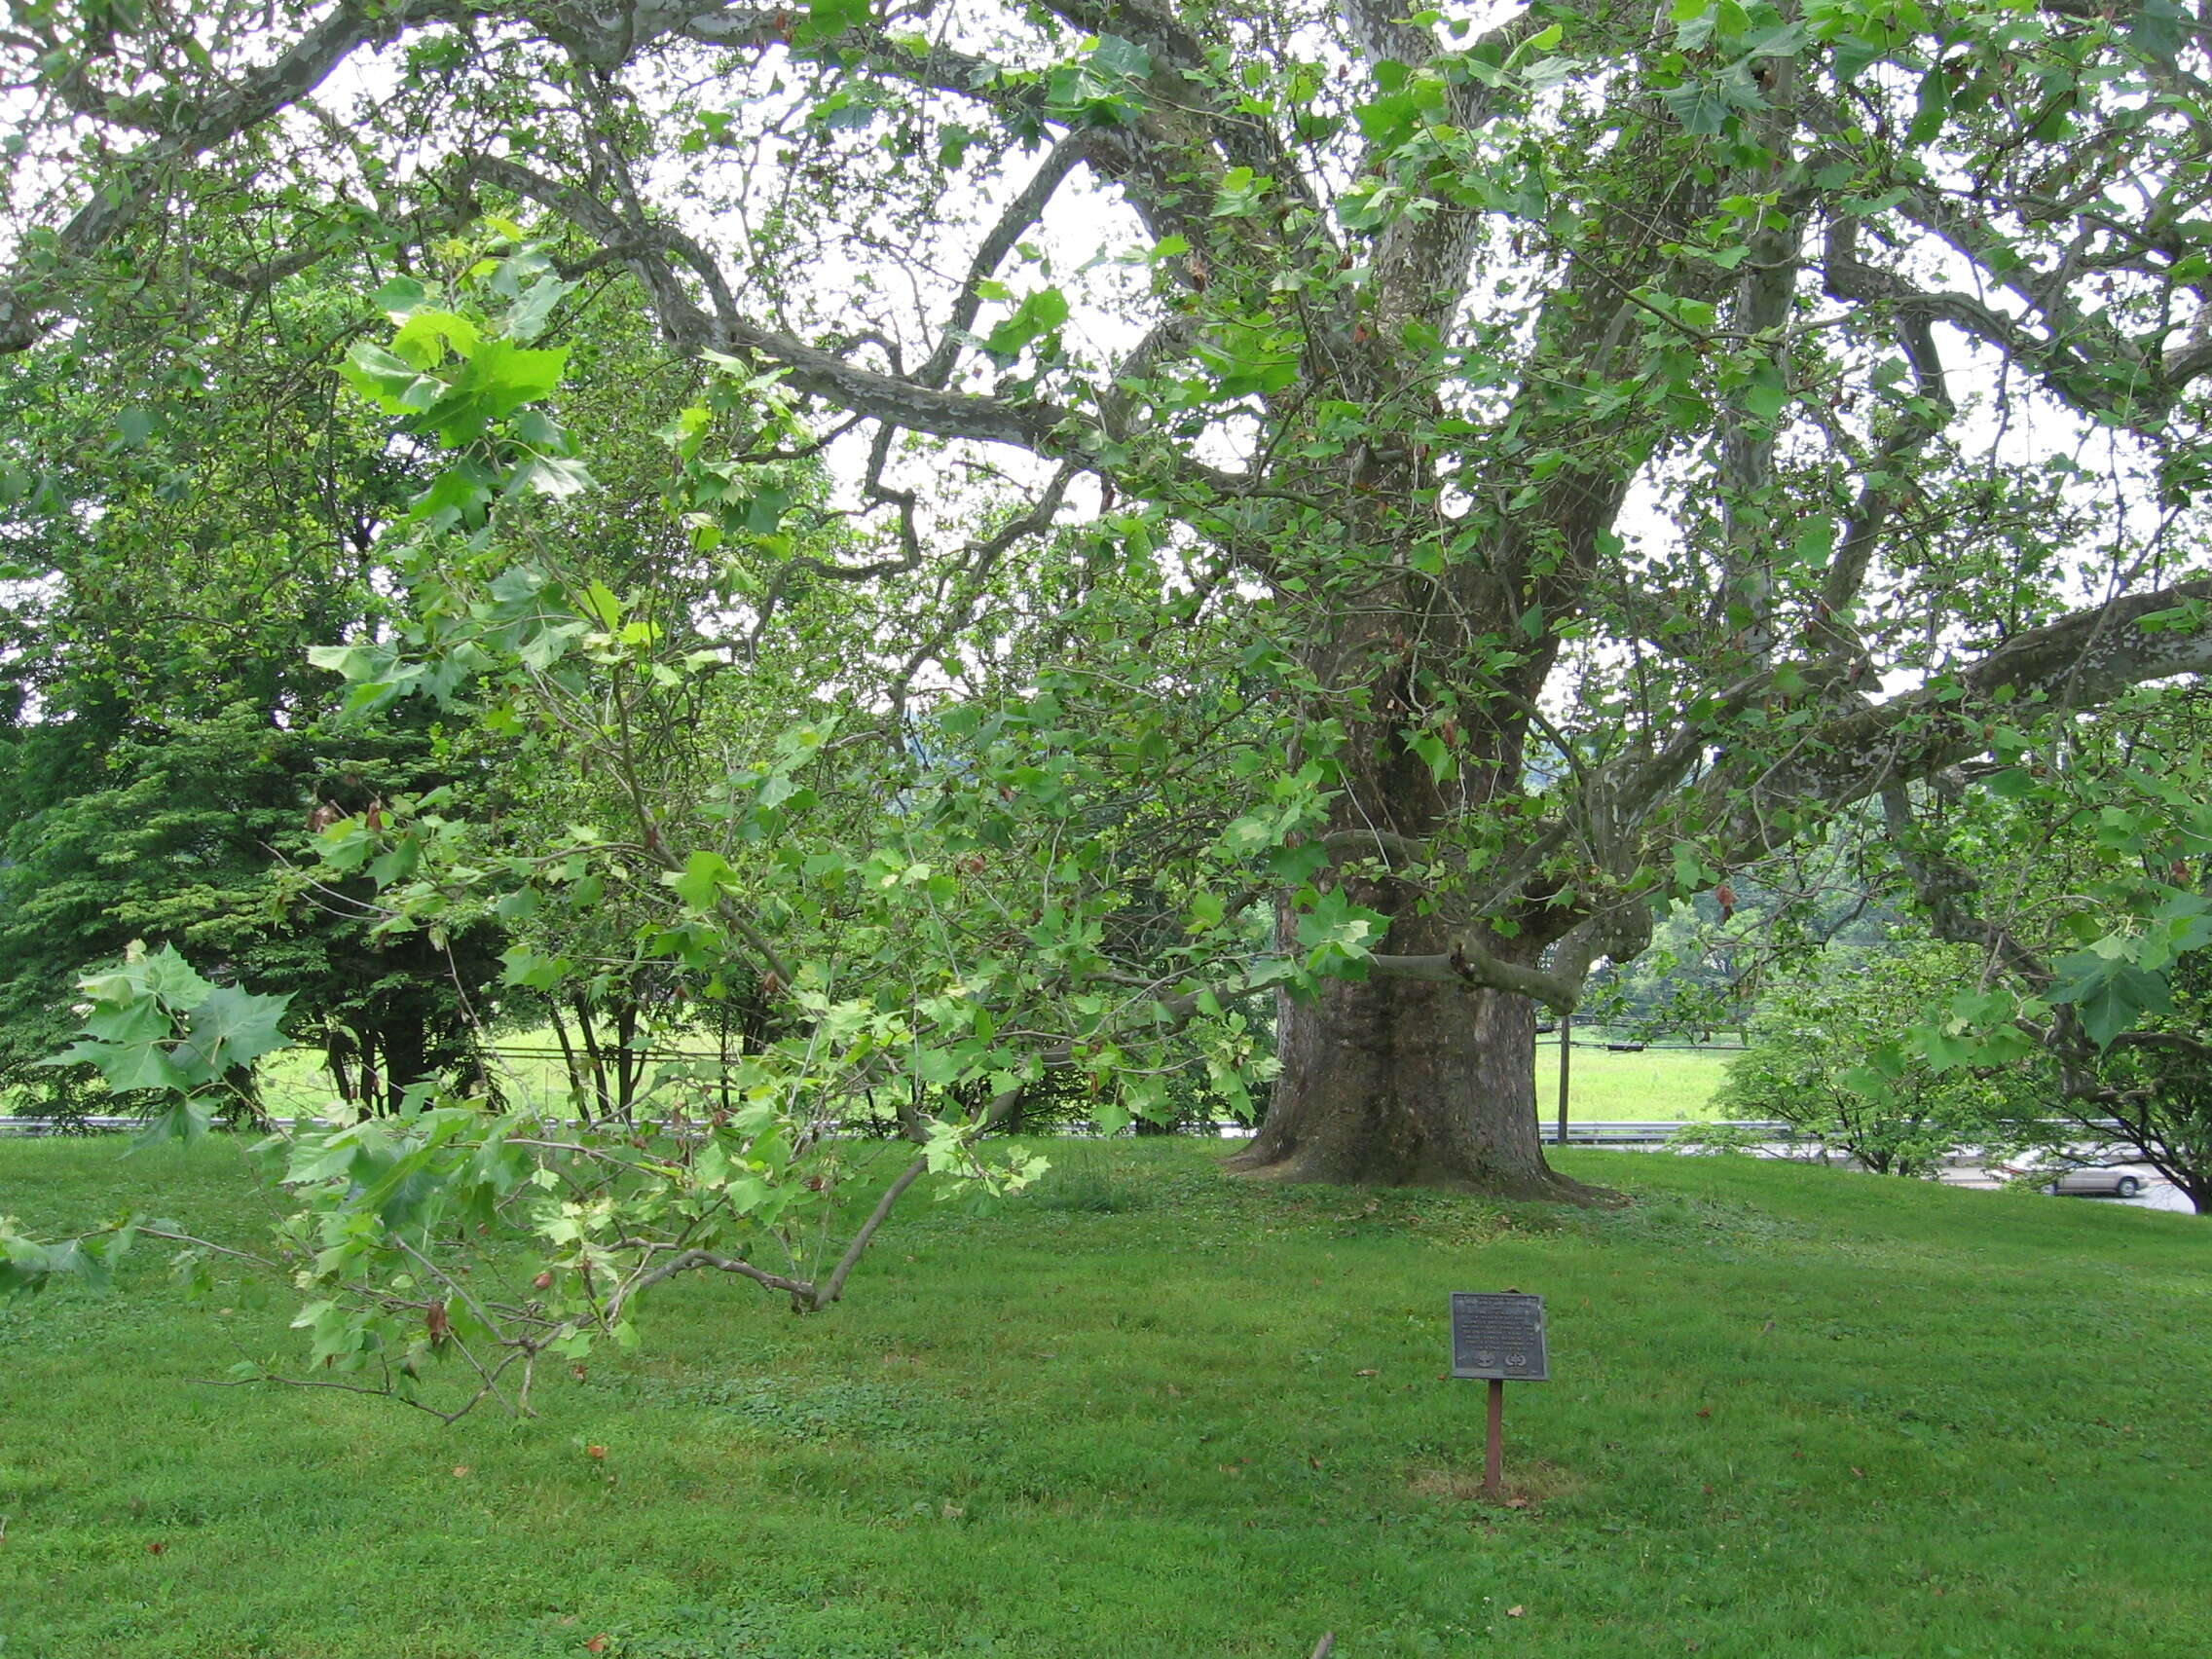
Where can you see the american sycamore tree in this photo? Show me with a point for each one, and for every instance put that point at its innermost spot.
(1349, 506)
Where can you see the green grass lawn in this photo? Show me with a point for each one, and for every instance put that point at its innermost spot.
(1150, 1411)
(1656, 1085)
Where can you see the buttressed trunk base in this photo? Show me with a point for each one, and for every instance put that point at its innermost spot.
(1405, 1083)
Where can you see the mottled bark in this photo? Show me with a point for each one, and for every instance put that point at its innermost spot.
(1400, 1083)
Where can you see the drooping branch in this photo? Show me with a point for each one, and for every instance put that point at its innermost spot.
(903, 401)
(1015, 222)
(1831, 634)
(2057, 360)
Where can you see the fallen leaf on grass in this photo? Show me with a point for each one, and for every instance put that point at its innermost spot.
(156, 1549)
(1515, 1612)
(596, 1644)
(1369, 1372)
(598, 1453)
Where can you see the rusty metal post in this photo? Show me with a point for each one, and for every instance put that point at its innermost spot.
(1566, 1053)
(1493, 1446)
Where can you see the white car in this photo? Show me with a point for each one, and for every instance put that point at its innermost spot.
(2097, 1182)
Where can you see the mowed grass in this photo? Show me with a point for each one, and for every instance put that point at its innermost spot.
(1148, 1411)
(1654, 1087)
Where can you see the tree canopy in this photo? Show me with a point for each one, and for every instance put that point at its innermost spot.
(1600, 449)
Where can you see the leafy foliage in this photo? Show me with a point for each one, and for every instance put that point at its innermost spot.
(156, 1026)
(1834, 1056)
(2093, 929)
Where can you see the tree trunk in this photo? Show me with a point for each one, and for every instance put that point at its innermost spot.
(1408, 1082)
(1405, 1083)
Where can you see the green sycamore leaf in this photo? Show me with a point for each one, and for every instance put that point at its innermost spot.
(826, 18)
(496, 382)
(1118, 56)
(233, 1028)
(393, 384)
(2157, 29)
(1037, 315)
(125, 1067)
(1699, 106)
(169, 976)
(1443, 766)
(556, 476)
(400, 297)
(184, 1123)
(600, 603)
(525, 967)
(424, 338)
(1933, 108)
(1765, 393)
(460, 494)
(700, 882)
(528, 317)
(2109, 993)
(1336, 929)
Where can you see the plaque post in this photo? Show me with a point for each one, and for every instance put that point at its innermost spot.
(1493, 1446)
(1497, 1339)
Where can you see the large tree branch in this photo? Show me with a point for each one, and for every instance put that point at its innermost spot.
(136, 182)
(902, 400)
(1471, 965)
(2077, 662)
(2055, 360)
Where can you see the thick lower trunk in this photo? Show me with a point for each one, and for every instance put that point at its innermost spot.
(1404, 1081)
(1407, 1082)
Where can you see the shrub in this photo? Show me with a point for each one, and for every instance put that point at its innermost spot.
(1830, 1056)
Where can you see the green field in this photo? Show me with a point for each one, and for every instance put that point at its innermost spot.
(1659, 1084)
(1148, 1410)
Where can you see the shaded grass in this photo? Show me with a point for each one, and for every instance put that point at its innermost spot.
(1152, 1411)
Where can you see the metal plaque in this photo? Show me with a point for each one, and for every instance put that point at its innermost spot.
(1499, 1337)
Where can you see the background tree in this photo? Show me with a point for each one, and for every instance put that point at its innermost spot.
(185, 512)
(1832, 1057)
